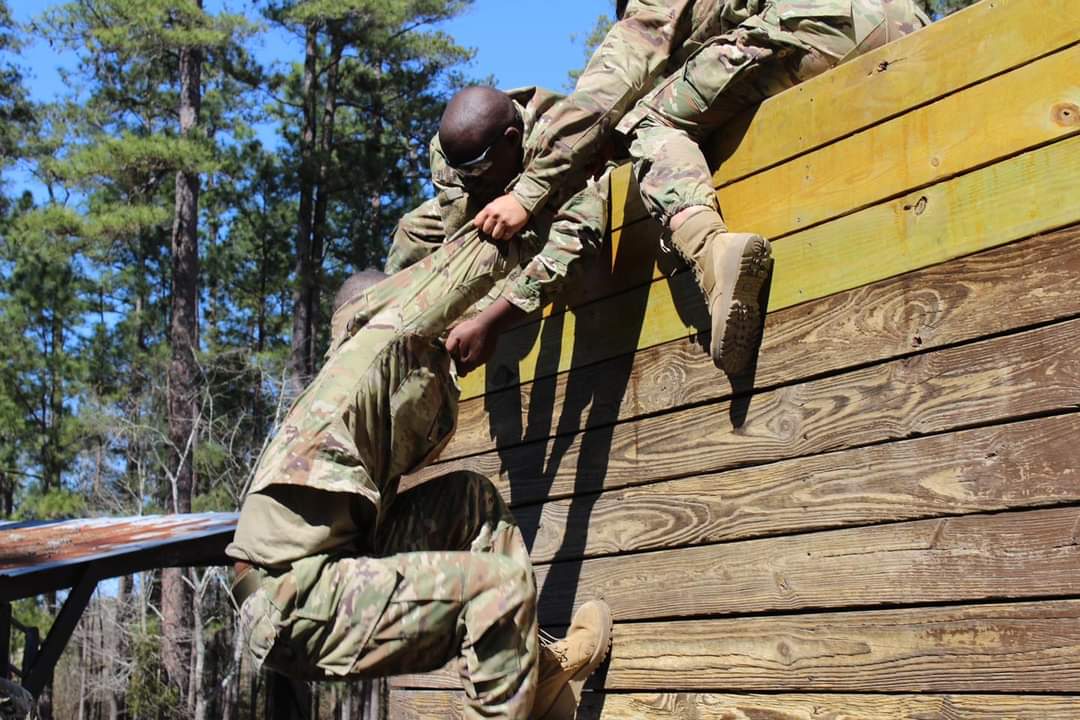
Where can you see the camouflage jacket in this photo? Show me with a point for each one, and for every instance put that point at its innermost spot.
(460, 198)
(653, 39)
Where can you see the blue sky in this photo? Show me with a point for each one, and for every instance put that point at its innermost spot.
(520, 42)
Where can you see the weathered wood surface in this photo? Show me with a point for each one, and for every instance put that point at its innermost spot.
(1028, 194)
(926, 309)
(976, 557)
(896, 78)
(424, 705)
(984, 382)
(1020, 647)
(1019, 465)
(1025, 647)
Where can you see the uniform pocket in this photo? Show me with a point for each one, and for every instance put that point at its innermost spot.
(260, 624)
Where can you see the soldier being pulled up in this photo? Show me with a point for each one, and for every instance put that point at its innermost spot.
(337, 576)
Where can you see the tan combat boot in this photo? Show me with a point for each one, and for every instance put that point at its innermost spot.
(566, 664)
(731, 269)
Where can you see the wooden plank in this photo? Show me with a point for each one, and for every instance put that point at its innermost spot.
(1020, 465)
(1011, 556)
(1007, 377)
(1022, 647)
(941, 305)
(426, 704)
(1032, 193)
(1000, 117)
(903, 75)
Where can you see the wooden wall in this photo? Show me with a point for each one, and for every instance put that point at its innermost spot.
(883, 522)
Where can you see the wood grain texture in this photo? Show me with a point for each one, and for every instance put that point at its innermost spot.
(1027, 464)
(1028, 194)
(1027, 647)
(977, 557)
(427, 704)
(925, 309)
(989, 381)
(994, 119)
(902, 75)
(1020, 647)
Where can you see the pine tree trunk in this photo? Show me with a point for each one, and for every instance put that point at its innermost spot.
(184, 339)
(300, 366)
(326, 149)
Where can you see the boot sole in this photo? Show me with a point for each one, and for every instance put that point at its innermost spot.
(737, 314)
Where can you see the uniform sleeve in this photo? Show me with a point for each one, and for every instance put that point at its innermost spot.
(576, 232)
(622, 69)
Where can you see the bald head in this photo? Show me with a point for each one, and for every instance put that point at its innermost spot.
(356, 284)
(474, 119)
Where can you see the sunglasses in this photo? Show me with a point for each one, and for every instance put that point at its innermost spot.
(478, 165)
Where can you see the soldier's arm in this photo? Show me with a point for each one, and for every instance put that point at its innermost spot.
(576, 232)
(621, 71)
(423, 230)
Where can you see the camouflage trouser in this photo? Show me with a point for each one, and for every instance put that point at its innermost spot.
(728, 74)
(450, 576)
(424, 229)
(467, 271)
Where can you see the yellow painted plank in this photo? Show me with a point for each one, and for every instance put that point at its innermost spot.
(884, 83)
(1032, 105)
(1027, 194)
(976, 43)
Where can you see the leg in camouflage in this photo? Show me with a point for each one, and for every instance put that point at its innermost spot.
(729, 74)
(419, 233)
(457, 584)
(786, 44)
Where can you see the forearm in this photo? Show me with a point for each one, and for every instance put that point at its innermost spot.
(576, 233)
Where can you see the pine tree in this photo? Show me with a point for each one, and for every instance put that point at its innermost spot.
(358, 114)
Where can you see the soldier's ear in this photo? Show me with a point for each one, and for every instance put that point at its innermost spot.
(513, 134)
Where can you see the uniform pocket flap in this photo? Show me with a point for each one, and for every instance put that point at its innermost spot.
(798, 9)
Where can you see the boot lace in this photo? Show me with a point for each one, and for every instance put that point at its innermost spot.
(554, 645)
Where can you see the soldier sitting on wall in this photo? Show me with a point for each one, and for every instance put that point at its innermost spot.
(718, 58)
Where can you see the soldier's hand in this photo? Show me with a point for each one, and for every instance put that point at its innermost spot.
(502, 218)
(471, 343)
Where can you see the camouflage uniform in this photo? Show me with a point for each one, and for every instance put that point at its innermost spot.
(359, 582)
(688, 41)
(785, 43)
(356, 581)
(548, 258)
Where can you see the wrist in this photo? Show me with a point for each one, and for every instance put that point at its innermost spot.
(501, 314)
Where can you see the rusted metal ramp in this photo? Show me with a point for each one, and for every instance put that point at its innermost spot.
(883, 521)
(44, 556)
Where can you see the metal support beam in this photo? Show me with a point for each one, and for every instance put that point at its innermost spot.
(58, 637)
(5, 640)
